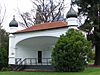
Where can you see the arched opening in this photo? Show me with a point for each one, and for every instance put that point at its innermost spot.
(37, 50)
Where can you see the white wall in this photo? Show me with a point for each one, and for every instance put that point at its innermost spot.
(30, 52)
(24, 52)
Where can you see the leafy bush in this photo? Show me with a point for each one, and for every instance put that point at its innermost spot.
(6, 69)
(91, 57)
(70, 51)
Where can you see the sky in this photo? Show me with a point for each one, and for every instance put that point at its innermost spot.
(23, 5)
(11, 9)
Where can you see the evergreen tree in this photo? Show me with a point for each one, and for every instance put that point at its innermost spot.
(3, 49)
(70, 51)
(91, 9)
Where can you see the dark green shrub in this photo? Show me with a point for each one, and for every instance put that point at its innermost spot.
(3, 58)
(91, 57)
(6, 69)
(70, 51)
(3, 49)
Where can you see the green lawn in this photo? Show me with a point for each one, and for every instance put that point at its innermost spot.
(88, 71)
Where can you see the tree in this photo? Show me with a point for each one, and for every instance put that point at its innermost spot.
(91, 9)
(2, 16)
(48, 10)
(3, 49)
(26, 18)
(70, 51)
(3, 40)
(45, 11)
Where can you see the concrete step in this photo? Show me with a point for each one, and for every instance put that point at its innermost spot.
(38, 68)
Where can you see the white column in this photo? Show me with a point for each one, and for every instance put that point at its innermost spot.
(73, 21)
(11, 49)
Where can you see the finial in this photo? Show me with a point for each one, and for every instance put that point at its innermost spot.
(14, 17)
(72, 2)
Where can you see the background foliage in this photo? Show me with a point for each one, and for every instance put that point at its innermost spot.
(3, 49)
(91, 9)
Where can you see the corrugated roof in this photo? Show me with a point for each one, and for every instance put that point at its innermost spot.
(45, 26)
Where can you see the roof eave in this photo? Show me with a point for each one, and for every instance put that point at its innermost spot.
(39, 30)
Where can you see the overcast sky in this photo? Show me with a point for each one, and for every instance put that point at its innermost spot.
(23, 5)
(11, 9)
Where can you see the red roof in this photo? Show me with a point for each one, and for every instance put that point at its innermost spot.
(45, 26)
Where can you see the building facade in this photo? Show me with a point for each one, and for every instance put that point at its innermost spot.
(34, 45)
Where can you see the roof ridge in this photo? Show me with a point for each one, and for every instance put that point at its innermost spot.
(47, 25)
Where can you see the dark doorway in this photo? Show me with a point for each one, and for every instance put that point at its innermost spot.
(39, 56)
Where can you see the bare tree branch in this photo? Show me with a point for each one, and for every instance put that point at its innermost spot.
(3, 15)
(45, 11)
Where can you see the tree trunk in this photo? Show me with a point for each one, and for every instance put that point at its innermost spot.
(97, 54)
(0, 36)
(97, 46)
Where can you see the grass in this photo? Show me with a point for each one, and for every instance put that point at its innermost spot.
(88, 71)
